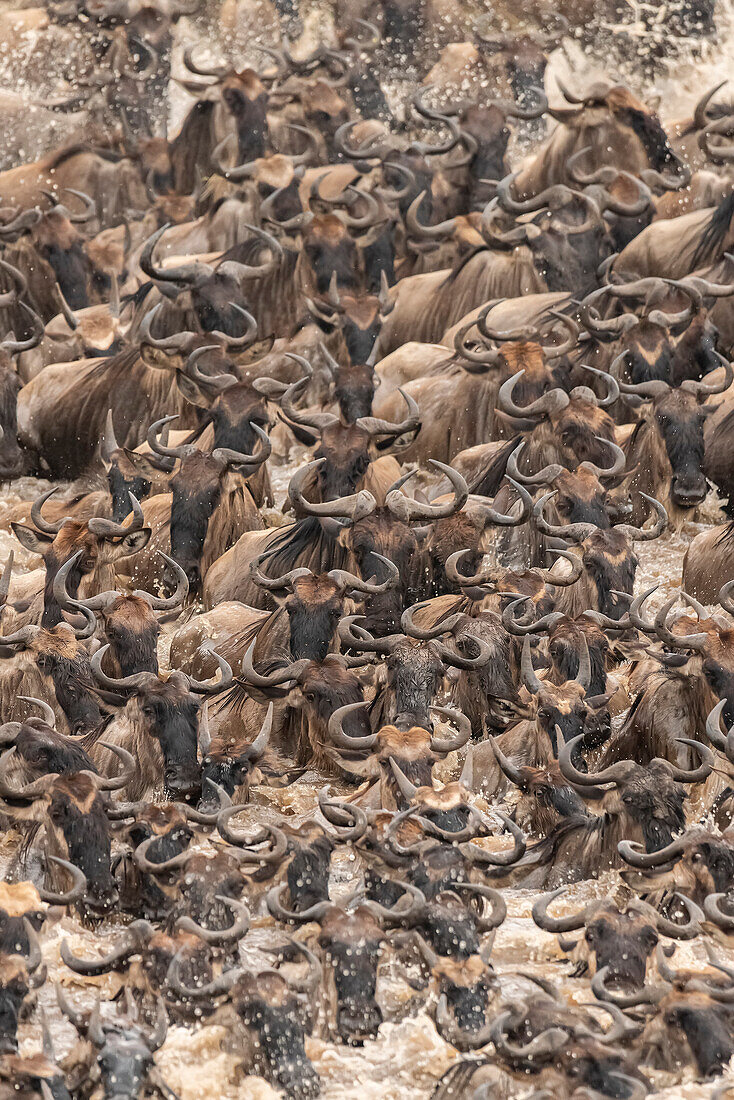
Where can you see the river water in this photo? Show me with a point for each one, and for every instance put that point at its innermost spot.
(408, 1056)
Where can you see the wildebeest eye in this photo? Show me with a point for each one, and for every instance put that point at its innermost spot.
(697, 857)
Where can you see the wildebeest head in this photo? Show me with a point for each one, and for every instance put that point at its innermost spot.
(564, 709)
(165, 832)
(325, 112)
(205, 298)
(697, 864)
(464, 987)
(129, 622)
(246, 99)
(359, 319)
(318, 689)
(647, 799)
(413, 748)
(132, 629)
(576, 427)
(487, 125)
(329, 249)
(202, 883)
(565, 647)
(22, 914)
(617, 941)
(71, 808)
(272, 1012)
(55, 665)
(711, 643)
(608, 557)
(546, 797)
(351, 944)
(314, 603)
(235, 764)
(122, 1048)
(706, 1026)
(40, 750)
(382, 533)
(568, 251)
(204, 482)
(679, 419)
(102, 542)
(60, 244)
(128, 472)
(11, 458)
(15, 985)
(164, 718)
(625, 129)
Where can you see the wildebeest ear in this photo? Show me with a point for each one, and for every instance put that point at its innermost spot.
(191, 391)
(31, 539)
(136, 541)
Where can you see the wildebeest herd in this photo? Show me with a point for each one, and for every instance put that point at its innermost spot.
(265, 754)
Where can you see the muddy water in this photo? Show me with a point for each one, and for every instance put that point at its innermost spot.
(408, 1056)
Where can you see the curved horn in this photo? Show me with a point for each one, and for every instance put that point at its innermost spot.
(336, 728)
(612, 388)
(521, 629)
(713, 910)
(713, 730)
(154, 441)
(550, 402)
(192, 274)
(107, 529)
(79, 884)
(527, 672)
(649, 995)
(238, 458)
(319, 421)
(285, 675)
(136, 935)
(463, 726)
(176, 343)
(356, 506)
(349, 822)
(130, 767)
(48, 713)
(374, 426)
(613, 774)
(11, 345)
(157, 867)
(37, 518)
(693, 775)
(577, 532)
(571, 923)
(633, 853)
(409, 914)
(617, 467)
(289, 916)
(676, 641)
(218, 382)
(274, 584)
(409, 510)
(646, 534)
(212, 686)
(348, 581)
(427, 232)
(167, 603)
(555, 351)
(237, 930)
